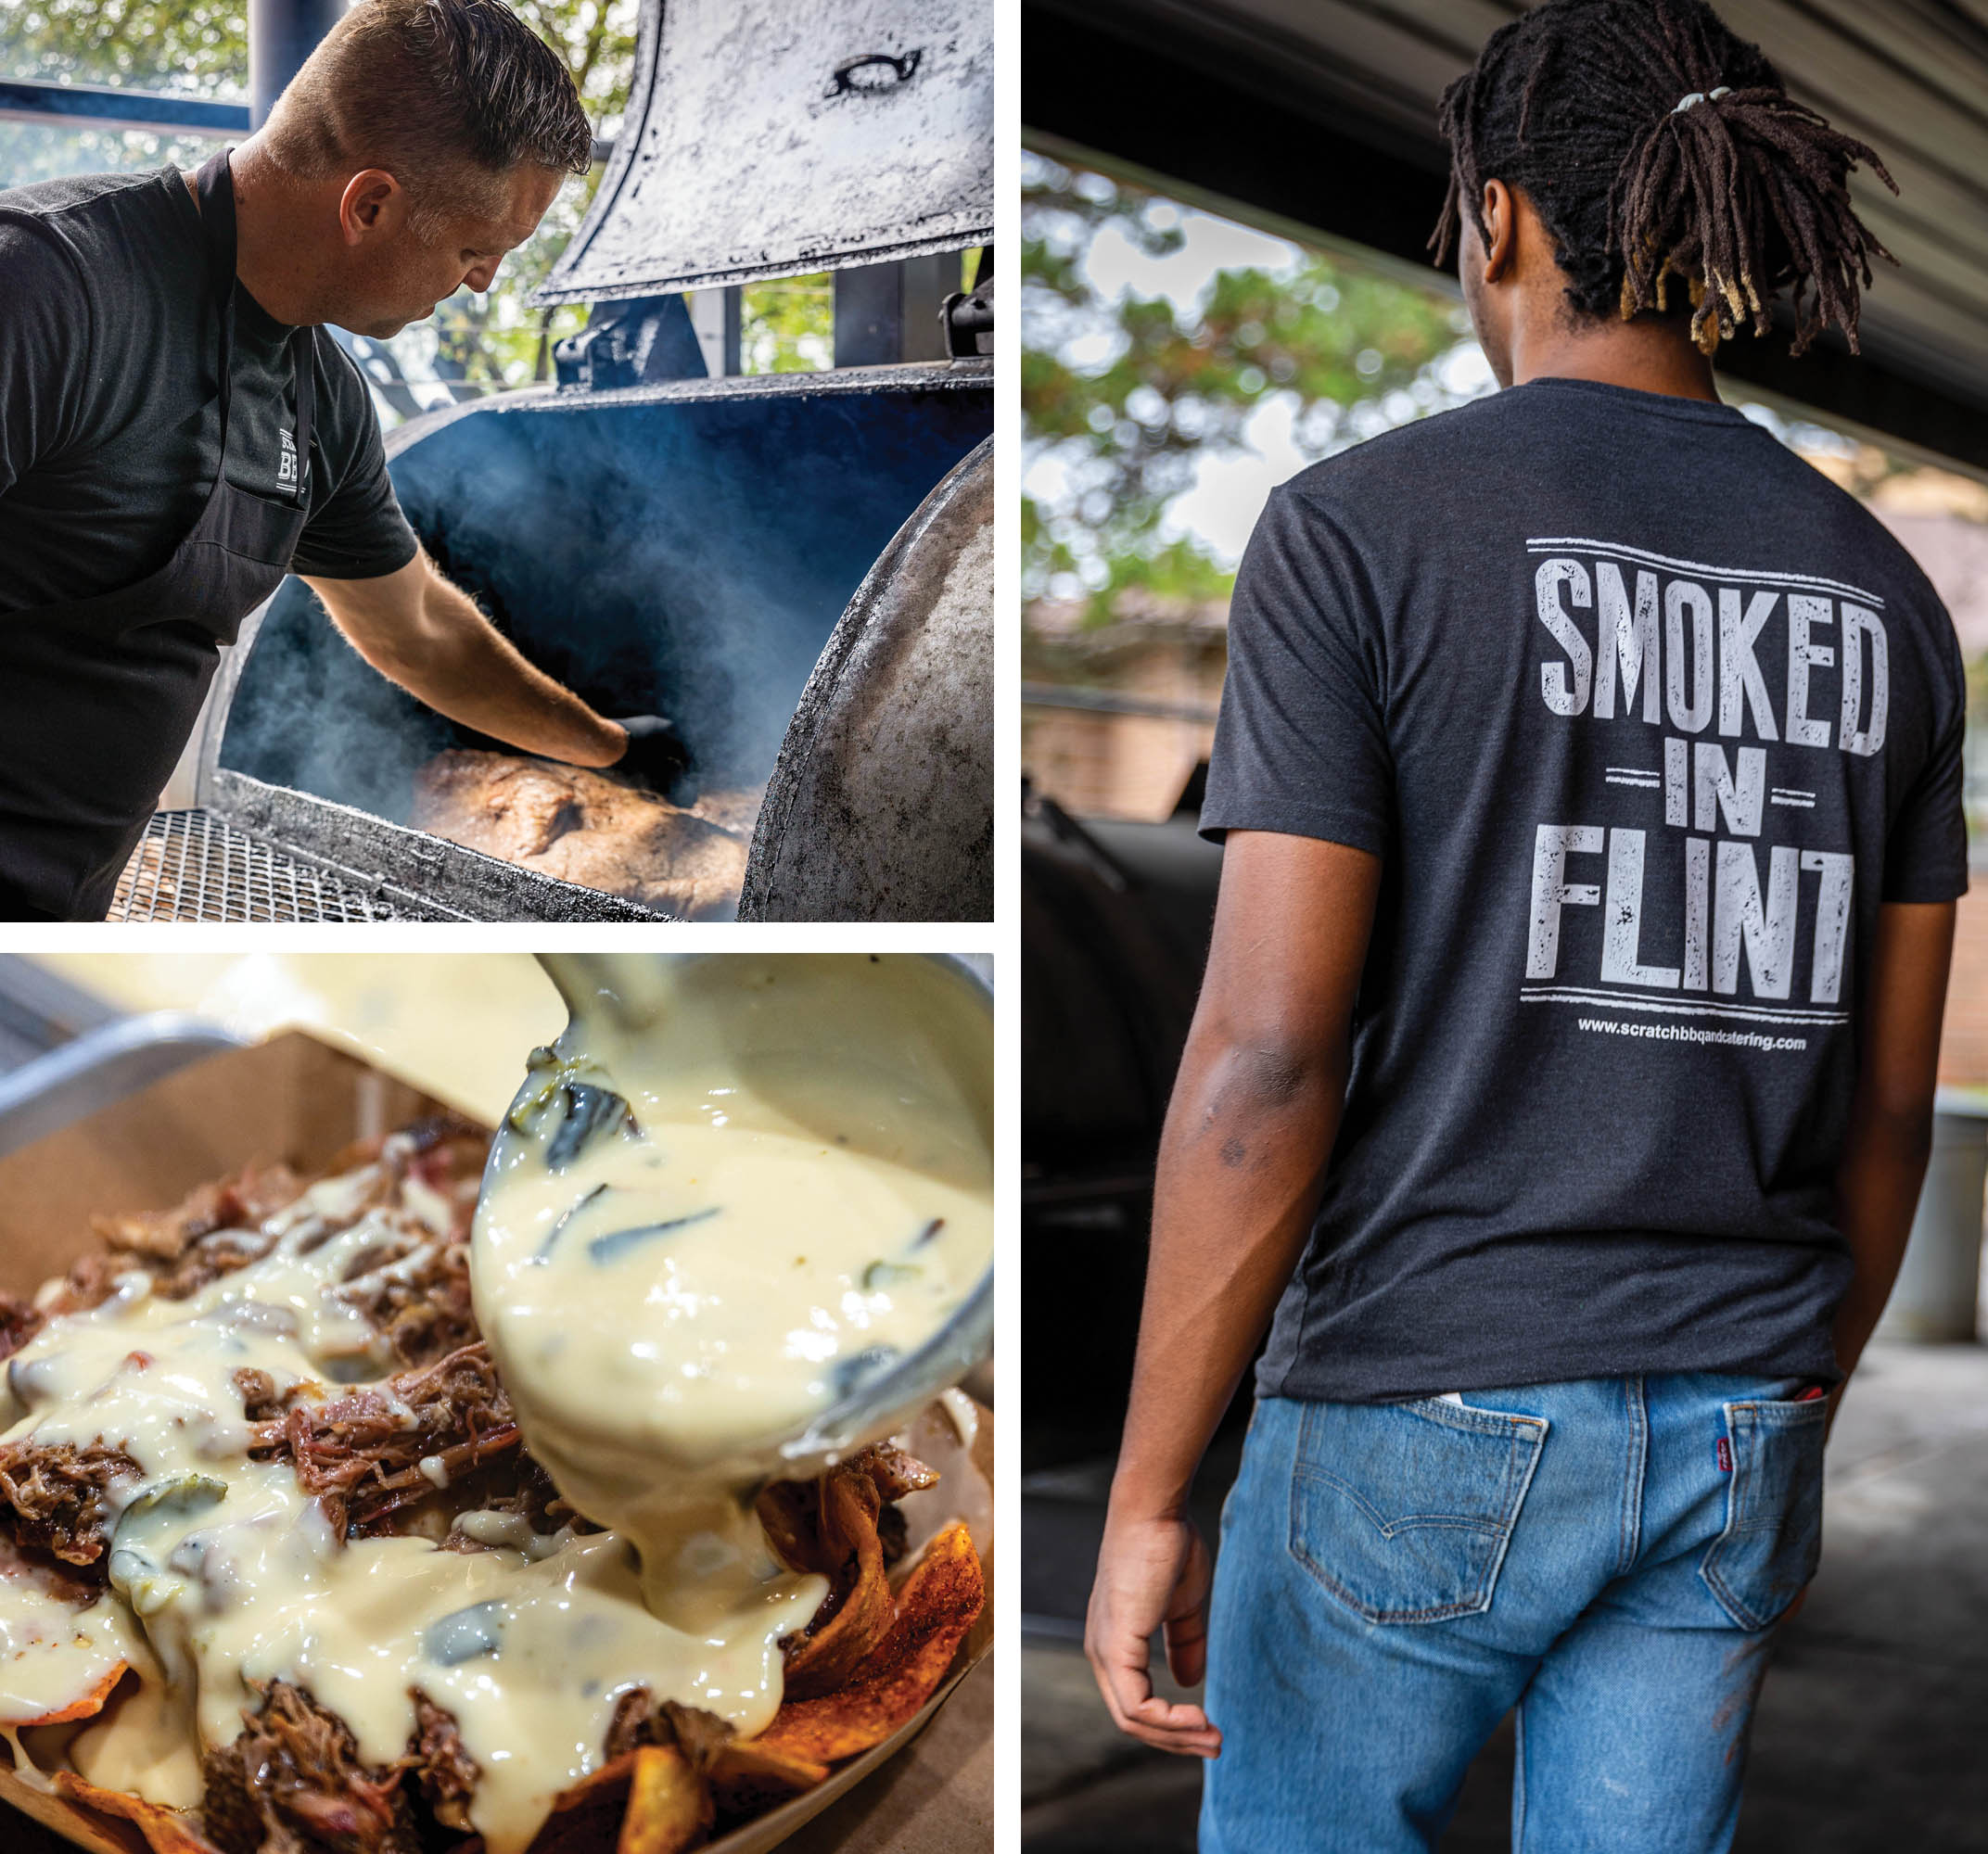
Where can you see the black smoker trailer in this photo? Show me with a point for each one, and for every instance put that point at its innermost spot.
(796, 568)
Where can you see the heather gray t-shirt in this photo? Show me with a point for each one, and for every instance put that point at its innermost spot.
(111, 408)
(1644, 718)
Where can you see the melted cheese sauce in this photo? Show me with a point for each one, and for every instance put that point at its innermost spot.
(800, 1192)
(52, 1653)
(224, 1574)
(453, 1024)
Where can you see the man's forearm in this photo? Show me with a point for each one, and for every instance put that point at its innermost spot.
(424, 634)
(469, 671)
(1241, 1165)
(1890, 1133)
(1877, 1191)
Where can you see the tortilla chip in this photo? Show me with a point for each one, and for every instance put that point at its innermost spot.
(166, 1831)
(88, 1707)
(750, 1777)
(647, 1801)
(844, 1528)
(586, 1817)
(669, 1806)
(938, 1605)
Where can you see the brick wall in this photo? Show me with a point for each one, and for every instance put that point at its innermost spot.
(1112, 765)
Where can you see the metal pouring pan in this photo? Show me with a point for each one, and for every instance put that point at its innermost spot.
(882, 1402)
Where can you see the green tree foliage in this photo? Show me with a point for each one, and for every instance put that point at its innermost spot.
(200, 47)
(1128, 393)
(191, 48)
(195, 47)
(787, 326)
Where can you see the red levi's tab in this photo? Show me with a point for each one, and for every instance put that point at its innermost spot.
(1809, 1396)
(1725, 1454)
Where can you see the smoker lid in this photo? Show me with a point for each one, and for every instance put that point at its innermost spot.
(768, 138)
(881, 804)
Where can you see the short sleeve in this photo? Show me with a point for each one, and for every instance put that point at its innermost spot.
(1925, 852)
(44, 338)
(358, 532)
(1301, 743)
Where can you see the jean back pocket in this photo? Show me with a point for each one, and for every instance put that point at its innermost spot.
(1773, 1538)
(1404, 1511)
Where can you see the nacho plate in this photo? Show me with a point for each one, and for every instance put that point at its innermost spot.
(258, 1092)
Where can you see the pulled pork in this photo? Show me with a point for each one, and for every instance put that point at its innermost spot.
(415, 1287)
(809, 1529)
(58, 1495)
(261, 1401)
(218, 1228)
(515, 1482)
(440, 1150)
(446, 1153)
(638, 1720)
(236, 1202)
(212, 1231)
(893, 1472)
(66, 1583)
(292, 1784)
(20, 1321)
(361, 1453)
(414, 1284)
(446, 1771)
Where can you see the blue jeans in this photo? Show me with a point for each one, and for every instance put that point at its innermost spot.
(1608, 1556)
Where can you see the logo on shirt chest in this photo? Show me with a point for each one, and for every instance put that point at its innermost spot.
(286, 471)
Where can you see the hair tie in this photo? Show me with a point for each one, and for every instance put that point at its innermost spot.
(1700, 96)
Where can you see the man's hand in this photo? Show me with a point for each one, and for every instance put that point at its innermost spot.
(426, 635)
(657, 756)
(1151, 1574)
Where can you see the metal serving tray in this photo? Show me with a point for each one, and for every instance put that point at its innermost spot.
(102, 1065)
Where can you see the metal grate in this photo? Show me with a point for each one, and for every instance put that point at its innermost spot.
(192, 866)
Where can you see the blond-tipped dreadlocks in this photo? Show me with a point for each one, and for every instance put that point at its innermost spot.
(1655, 144)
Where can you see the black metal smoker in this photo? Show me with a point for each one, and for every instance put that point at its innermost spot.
(797, 568)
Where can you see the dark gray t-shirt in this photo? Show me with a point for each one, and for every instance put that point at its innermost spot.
(1644, 717)
(109, 407)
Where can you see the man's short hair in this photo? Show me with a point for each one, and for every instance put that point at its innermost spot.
(445, 95)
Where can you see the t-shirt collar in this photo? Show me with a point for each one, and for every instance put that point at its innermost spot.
(1632, 399)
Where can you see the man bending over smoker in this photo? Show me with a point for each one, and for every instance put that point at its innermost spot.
(177, 430)
(1590, 770)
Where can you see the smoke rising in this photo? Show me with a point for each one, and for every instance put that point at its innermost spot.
(687, 558)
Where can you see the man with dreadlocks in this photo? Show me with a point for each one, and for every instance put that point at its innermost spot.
(1589, 770)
